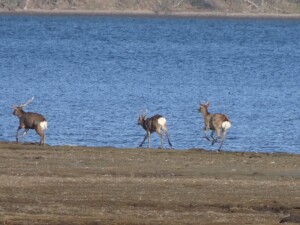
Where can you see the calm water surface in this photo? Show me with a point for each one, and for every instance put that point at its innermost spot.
(91, 76)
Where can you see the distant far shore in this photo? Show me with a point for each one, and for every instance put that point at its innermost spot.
(149, 13)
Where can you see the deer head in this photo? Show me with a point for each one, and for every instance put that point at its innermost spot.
(203, 107)
(18, 110)
(142, 117)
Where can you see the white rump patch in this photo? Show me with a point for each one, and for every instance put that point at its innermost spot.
(226, 125)
(44, 125)
(162, 121)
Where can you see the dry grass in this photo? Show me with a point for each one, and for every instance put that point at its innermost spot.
(80, 185)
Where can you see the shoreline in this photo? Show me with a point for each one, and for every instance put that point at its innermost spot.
(149, 13)
(201, 150)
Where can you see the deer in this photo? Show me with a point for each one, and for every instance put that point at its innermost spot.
(214, 122)
(155, 123)
(30, 120)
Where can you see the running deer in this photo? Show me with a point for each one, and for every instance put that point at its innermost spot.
(214, 122)
(154, 124)
(30, 120)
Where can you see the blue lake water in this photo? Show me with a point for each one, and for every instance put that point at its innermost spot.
(92, 75)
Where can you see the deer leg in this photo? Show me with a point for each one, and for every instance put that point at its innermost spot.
(166, 133)
(24, 134)
(143, 140)
(218, 135)
(161, 137)
(40, 132)
(205, 132)
(223, 139)
(17, 135)
(148, 134)
(212, 136)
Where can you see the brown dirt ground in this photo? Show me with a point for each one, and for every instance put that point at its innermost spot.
(85, 185)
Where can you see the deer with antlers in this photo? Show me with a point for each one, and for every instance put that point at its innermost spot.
(214, 122)
(155, 123)
(30, 120)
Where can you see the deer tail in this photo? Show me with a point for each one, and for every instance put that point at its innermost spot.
(44, 125)
(162, 121)
(226, 125)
